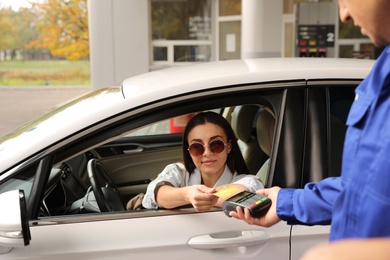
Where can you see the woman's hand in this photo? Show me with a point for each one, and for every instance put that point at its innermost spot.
(269, 219)
(201, 197)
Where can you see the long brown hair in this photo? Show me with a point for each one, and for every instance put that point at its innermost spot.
(235, 161)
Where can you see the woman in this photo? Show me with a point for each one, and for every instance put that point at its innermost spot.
(211, 158)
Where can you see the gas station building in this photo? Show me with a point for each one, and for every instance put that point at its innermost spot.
(131, 37)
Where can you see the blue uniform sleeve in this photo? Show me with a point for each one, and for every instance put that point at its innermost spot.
(311, 205)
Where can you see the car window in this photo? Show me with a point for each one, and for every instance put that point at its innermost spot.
(326, 124)
(162, 127)
(134, 159)
(22, 181)
(174, 125)
(340, 101)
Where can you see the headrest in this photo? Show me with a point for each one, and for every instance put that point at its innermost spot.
(242, 121)
(265, 127)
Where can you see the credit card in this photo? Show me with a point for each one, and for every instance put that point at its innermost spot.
(226, 191)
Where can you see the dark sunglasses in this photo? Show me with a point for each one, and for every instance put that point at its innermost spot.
(216, 147)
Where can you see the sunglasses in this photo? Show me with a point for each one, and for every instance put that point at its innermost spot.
(216, 147)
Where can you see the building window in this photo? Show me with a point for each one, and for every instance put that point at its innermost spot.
(229, 7)
(229, 40)
(181, 31)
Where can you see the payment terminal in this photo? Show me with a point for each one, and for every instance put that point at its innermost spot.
(256, 203)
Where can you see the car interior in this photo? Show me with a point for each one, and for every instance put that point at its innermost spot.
(107, 177)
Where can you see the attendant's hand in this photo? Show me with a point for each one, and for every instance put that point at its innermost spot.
(269, 219)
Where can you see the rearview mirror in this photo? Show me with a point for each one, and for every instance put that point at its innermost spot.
(14, 227)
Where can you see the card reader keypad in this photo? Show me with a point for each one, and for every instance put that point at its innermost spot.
(252, 200)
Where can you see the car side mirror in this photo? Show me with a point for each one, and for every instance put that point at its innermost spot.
(14, 227)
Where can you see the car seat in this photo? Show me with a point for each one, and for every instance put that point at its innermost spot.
(265, 127)
(242, 122)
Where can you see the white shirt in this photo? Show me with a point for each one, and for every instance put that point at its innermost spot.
(176, 175)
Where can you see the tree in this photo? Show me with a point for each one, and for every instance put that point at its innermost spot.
(64, 27)
(26, 26)
(7, 29)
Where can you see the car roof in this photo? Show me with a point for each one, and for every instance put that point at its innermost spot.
(224, 73)
(94, 107)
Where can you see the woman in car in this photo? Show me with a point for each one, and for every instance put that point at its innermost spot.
(211, 158)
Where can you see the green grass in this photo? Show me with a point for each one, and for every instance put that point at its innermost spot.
(38, 73)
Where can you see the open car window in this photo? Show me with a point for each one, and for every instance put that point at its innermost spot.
(133, 160)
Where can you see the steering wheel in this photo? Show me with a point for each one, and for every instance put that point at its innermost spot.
(108, 197)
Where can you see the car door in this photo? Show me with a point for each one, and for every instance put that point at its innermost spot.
(177, 233)
(317, 115)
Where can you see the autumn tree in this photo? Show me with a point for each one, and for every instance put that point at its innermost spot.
(25, 22)
(7, 29)
(64, 28)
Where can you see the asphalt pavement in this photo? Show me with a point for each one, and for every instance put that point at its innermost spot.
(18, 105)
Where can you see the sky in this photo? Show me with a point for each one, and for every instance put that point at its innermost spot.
(15, 4)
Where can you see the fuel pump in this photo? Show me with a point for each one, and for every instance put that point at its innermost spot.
(315, 31)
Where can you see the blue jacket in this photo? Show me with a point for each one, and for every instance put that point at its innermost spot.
(357, 204)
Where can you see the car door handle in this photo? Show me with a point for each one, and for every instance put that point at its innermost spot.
(229, 239)
(135, 150)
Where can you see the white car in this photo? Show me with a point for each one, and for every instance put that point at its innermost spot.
(289, 115)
